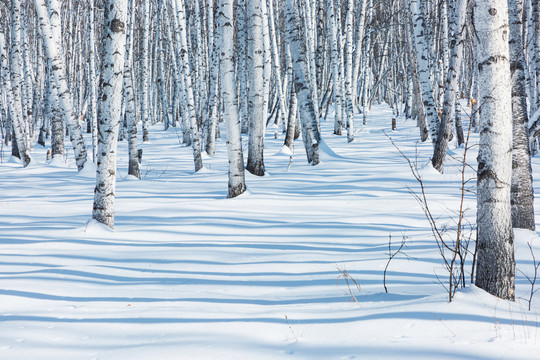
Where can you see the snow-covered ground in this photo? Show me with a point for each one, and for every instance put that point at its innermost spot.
(189, 274)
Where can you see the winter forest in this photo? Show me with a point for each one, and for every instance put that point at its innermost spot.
(269, 179)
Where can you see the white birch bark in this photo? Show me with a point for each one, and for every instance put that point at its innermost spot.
(452, 83)
(237, 183)
(349, 70)
(57, 121)
(27, 80)
(267, 60)
(307, 9)
(522, 197)
(336, 75)
(536, 49)
(145, 70)
(424, 73)
(301, 84)
(114, 41)
(193, 128)
(242, 63)
(92, 80)
(129, 98)
(13, 96)
(213, 100)
(495, 271)
(366, 4)
(256, 93)
(277, 64)
(64, 95)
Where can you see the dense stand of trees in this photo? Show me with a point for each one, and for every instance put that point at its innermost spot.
(115, 67)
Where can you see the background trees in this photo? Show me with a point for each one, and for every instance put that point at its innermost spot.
(281, 65)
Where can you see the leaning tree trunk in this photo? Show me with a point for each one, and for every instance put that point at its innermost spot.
(301, 76)
(112, 70)
(64, 95)
(522, 197)
(422, 59)
(495, 272)
(237, 183)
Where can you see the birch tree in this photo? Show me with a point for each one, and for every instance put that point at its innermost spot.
(522, 197)
(186, 72)
(495, 271)
(237, 183)
(114, 43)
(129, 98)
(145, 69)
(452, 81)
(256, 95)
(422, 56)
(13, 92)
(92, 79)
(301, 76)
(64, 95)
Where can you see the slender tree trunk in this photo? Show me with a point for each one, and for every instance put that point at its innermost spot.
(64, 95)
(349, 71)
(336, 75)
(237, 184)
(522, 197)
(13, 91)
(255, 69)
(129, 99)
(301, 76)
(145, 70)
(92, 82)
(424, 73)
(213, 101)
(452, 83)
(112, 70)
(191, 114)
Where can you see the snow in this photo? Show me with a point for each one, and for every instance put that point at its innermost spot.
(190, 274)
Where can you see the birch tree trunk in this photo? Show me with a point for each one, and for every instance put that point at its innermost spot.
(112, 70)
(237, 183)
(213, 101)
(366, 4)
(255, 69)
(336, 75)
(301, 76)
(349, 71)
(522, 197)
(452, 78)
(190, 106)
(424, 73)
(13, 93)
(535, 101)
(145, 69)
(129, 99)
(64, 95)
(57, 121)
(92, 82)
(495, 272)
(277, 64)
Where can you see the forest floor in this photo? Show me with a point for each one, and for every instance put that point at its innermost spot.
(189, 274)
